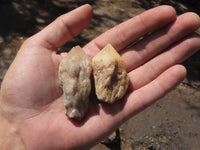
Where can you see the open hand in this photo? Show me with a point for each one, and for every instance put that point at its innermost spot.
(31, 97)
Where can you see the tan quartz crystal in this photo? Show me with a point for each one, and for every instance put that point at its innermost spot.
(110, 76)
(74, 74)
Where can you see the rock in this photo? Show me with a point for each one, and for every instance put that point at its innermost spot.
(7, 53)
(110, 76)
(74, 74)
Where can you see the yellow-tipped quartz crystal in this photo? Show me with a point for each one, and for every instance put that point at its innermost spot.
(110, 76)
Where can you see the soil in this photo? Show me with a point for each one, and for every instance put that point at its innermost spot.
(171, 123)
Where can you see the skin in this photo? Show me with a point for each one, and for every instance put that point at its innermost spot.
(31, 101)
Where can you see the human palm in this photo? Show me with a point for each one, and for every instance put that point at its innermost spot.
(32, 97)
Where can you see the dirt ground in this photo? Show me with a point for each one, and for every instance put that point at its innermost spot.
(173, 123)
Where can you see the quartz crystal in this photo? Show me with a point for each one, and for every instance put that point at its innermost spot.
(110, 76)
(74, 75)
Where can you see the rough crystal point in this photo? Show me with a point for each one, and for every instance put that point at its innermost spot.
(74, 74)
(110, 76)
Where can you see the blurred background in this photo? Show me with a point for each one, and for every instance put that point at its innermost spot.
(171, 123)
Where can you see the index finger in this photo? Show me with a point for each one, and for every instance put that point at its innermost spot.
(64, 28)
(127, 32)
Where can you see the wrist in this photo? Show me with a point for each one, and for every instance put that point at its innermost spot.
(10, 138)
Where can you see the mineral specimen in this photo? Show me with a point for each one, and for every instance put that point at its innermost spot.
(110, 76)
(74, 74)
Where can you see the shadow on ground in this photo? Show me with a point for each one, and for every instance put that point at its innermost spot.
(27, 17)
